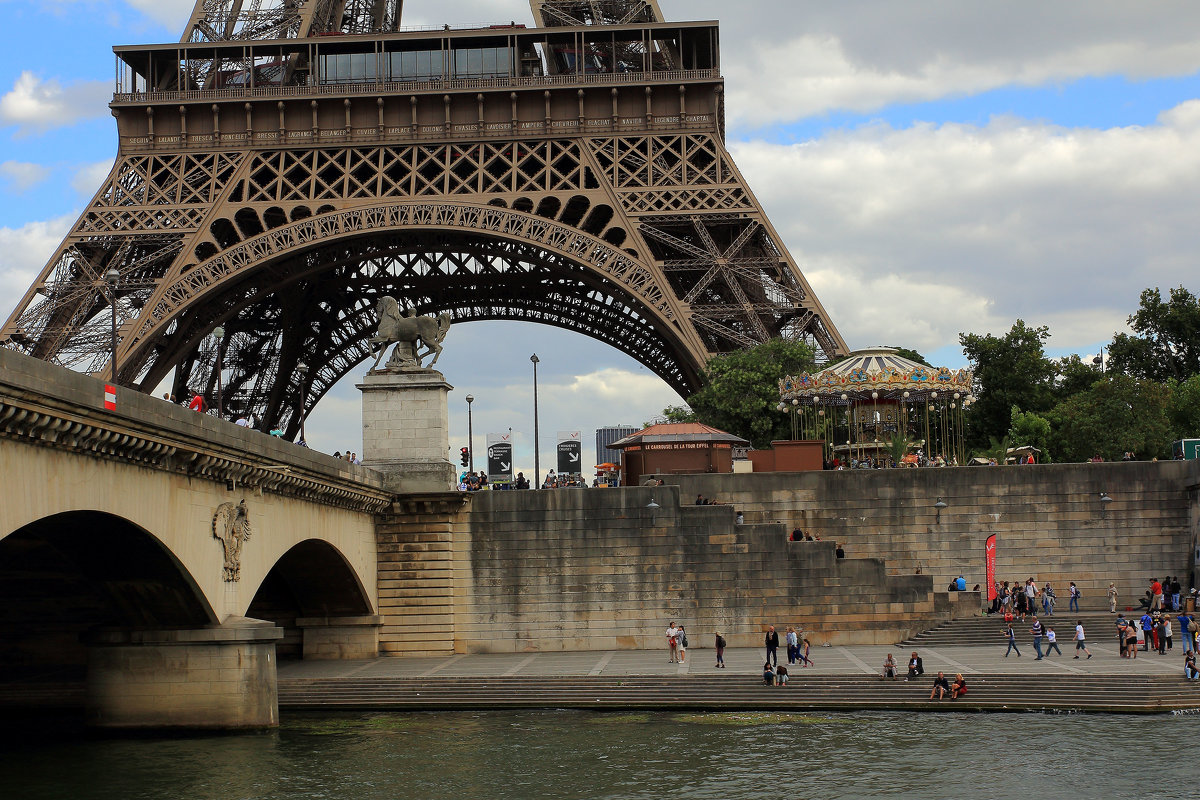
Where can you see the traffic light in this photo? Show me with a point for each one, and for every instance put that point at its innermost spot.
(464, 456)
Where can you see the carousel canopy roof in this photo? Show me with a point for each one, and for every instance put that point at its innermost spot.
(671, 432)
(879, 370)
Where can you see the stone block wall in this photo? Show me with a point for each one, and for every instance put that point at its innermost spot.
(416, 575)
(597, 569)
(1049, 521)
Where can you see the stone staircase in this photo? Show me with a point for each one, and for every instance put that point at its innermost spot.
(1099, 627)
(1054, 693)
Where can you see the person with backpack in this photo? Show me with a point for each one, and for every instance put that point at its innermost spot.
(1073, 606)
(720, 645)
(1187, 631)
(683, 643)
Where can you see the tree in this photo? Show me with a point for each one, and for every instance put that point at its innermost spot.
(1075, 376)
(911, 355)
(1009, 371)
(1116, 415)
(740, 390)
(1027, 428)
(678, 414)
(1167, 340)
(1184, 408)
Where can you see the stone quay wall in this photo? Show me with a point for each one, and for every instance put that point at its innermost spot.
(597, 569)
(1049, 520)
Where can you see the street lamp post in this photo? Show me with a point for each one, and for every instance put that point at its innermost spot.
(111, 278)
(470, 435)
(302, 371)
(537, 461)
(219, 334)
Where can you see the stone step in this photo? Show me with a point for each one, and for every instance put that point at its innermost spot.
(1092, 692)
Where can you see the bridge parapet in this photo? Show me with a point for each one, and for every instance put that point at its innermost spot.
(49, 406)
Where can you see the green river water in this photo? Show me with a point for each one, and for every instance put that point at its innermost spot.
(594, 755)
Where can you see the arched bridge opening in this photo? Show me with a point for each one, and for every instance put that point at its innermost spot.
(311, 581)
(70, 574)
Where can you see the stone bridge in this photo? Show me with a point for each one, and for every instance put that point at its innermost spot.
(120, 544)
(127, 577)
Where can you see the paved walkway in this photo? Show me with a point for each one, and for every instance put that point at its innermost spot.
(855, 660)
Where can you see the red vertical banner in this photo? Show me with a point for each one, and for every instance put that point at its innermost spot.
(989, 550)
(110, 397)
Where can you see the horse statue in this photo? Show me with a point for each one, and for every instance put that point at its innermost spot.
(405, 331)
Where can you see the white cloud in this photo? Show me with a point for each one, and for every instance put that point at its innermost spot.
(21, 176)
(936, 229)
(87, 179)
(23, 253)
(863, 56)
(173, 14)
(34, 104)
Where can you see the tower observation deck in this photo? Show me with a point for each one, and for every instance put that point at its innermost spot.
(287, 162)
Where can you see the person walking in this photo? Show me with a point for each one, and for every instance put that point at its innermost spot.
(805, 646)
(720, 645)
(1051, 641)
(1073, 606)
(673, 642)
(772, 642)
(1080, 641)
(1012, 641)
(793, 646)
(1037, 632)
(1112, 598)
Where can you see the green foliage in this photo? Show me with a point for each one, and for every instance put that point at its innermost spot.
(1074, 376)
(1166, 343)
(1184, 408)
(897, 446)
(1027, 428)
(1009, 371)
(996, 448)
(1115, 415)
(741, 390)
(911, 355)
(679, 414)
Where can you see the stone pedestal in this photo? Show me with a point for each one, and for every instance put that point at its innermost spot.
(406, 429)
(340, 638)
(221, 676)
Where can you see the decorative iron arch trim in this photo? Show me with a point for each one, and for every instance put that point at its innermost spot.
(612, 264)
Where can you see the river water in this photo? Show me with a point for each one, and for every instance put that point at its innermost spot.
(595, 755)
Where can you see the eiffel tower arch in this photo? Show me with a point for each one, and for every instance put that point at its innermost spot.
(284, 165)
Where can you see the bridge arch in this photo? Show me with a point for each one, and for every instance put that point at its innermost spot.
(68, 573)
(476, 262)
(313, 579)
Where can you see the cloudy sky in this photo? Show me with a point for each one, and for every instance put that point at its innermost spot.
(934, 167)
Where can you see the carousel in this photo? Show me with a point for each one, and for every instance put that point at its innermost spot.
(876, 408)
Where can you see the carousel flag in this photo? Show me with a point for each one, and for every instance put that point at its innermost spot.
(499, 458)
(570, 453)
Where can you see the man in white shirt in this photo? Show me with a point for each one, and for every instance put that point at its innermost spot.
(673, 642)
(1080, 643)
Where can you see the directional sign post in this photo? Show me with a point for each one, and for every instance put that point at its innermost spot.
(499, 458)
(570, 453)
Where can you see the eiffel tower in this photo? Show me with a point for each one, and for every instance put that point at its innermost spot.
(288, 162)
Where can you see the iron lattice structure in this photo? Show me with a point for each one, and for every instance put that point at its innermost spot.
(275, 177)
